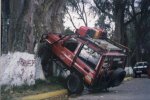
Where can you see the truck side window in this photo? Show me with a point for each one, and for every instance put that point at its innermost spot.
(89, 56)
(71, 44)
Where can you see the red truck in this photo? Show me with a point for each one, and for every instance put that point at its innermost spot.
(93, 60)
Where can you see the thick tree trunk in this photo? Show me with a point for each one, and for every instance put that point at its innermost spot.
(31, 18)
(120, 35)
(138, 40)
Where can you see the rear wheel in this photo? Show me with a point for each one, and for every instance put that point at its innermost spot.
(75, 84)
(117, 77)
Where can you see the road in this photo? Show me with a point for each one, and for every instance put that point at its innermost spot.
(135, 89)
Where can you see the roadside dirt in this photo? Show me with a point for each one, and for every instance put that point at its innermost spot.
(12, 93)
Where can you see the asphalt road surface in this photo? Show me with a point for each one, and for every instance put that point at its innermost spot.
(135, 89)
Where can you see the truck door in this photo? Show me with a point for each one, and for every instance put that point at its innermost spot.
(86, 62)
(69, 50)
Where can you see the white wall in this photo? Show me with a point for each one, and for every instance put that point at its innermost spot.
(20, 68)
(129, 70)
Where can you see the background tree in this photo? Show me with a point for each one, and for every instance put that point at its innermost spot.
(114, 10)
(139, 23)
(131, 20)
(68, 31)
(23, 21)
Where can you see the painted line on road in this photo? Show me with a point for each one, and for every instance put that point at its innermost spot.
(45, 95)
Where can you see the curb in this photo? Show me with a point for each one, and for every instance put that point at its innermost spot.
(47, 95)
(55, 94)
(128, 78)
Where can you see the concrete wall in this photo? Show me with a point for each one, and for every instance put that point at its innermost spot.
(129, 71)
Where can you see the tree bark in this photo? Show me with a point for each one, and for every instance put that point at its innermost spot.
(31, 18)
(120, 34)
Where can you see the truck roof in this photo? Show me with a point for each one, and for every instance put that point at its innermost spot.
(103, 44)
(114, 54)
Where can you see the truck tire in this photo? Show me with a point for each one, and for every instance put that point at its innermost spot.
(74, 84)
(148, 72)
(44, 52)
(117, 77)
(134, 74)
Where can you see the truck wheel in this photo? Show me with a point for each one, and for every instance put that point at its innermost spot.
(139, 75)
(134, 75)
(148, 72)
(74, 84)
(117, 77)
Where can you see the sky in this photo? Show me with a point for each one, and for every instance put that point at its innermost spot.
(78, 22)
(91, 17)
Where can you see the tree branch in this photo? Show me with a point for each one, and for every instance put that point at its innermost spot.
(71, 19)
(85, 16)
(102, 10)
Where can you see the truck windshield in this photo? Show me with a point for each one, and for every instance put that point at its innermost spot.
(89, 56)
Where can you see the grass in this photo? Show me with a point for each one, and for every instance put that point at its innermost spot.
(40, 86)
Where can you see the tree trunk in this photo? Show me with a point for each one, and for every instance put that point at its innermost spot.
(138, 40)
(119, 35)
(29, 19)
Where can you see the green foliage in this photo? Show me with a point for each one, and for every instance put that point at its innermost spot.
(68, 31)
(101, 22)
